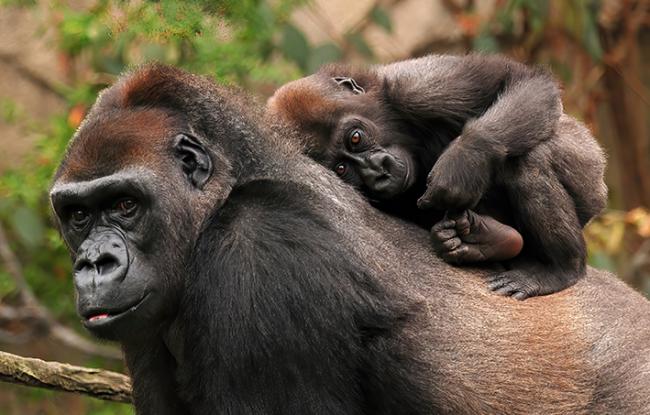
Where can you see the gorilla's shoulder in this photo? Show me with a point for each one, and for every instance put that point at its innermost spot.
(260, 208)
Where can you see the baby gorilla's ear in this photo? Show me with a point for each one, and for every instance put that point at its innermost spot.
(350, 84)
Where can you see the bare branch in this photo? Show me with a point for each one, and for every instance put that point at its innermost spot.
(102, 384)
(41, 315)
(29, 74)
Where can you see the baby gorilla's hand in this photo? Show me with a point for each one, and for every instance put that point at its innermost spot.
(458, 180)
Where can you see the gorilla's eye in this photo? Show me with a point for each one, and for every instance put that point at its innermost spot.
(340, 169)
(79, 218)
(126, 207)
(356, 136)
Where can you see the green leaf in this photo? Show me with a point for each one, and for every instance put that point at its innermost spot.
(590, 37)
(601, 260)
(7, 284)
(381, 18)
(28, 226)
(10, 112)
(295, 46)
(323, 54)
(153, 52)
(485, 42)
(360, 44)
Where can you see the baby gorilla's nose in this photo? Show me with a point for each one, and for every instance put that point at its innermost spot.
(380, 162)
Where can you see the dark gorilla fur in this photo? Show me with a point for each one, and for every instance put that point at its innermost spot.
(461, 132)
(241, 277)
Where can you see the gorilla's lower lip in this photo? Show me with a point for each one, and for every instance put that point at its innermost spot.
(100, 319)
(99, 316)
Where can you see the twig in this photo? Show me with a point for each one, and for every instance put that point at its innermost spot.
(102, 384)
(52, 327)
(29, 74)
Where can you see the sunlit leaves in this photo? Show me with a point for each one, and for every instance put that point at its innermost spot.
(381, 18)
(295, 46)
(321, 55)
(28, 226)
(359, 43)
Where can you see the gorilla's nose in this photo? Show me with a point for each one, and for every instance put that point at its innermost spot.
(380, 162)
(377, 169)
(102, 258)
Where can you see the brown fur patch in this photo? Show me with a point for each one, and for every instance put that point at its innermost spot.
(117, 139)
(303, 104)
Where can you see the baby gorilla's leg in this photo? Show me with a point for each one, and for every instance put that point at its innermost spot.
(470, 237)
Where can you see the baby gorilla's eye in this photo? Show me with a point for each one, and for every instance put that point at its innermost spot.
(340, 169)
(356, 136)
(126, 207)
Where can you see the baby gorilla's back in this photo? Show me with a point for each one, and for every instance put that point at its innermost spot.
(555, 190)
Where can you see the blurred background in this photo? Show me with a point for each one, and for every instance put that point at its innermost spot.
(55, 56)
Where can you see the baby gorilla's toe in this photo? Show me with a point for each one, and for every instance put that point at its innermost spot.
(447, 240)
(515, 284)
(468, 237)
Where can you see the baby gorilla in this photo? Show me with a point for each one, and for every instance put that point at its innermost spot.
(482, 139)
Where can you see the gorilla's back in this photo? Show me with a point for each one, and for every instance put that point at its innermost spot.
(583, 350)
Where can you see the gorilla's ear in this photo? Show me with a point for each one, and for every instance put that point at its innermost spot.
(194, 159)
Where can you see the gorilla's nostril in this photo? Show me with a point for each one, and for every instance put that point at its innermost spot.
(387, 163)
(83, 264)
(106, 264)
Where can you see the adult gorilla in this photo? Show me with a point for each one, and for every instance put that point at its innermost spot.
(242, 278)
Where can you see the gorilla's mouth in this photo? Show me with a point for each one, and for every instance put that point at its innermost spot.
(97, 317)
(406, 182)
(394, 181)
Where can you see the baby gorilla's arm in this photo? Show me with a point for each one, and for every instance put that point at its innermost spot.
(469, 237)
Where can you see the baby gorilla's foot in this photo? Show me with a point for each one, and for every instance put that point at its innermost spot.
(470, 237)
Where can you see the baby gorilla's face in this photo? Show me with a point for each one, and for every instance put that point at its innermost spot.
(358, 158)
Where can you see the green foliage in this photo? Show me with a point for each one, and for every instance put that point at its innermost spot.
(295, 46)
(10, 112)
(232, 40)
(360, 44)
(485, 42)
(581, 20)
(325, 53)
(18, 3)
(379, 16)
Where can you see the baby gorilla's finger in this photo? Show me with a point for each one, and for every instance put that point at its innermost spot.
(426, 201)
(443, 224)
(456, 255)
(463, 224)
(451, 244)
(444, 234)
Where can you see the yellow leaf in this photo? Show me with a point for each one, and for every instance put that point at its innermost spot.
(615, 240)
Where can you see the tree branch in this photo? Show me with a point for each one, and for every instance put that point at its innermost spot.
(101, 384)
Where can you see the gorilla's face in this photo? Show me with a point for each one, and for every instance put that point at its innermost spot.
(129, 230)
(351, 132)
(110, 225)
(358, 157)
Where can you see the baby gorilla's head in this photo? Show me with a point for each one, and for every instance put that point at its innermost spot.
(346, 128)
